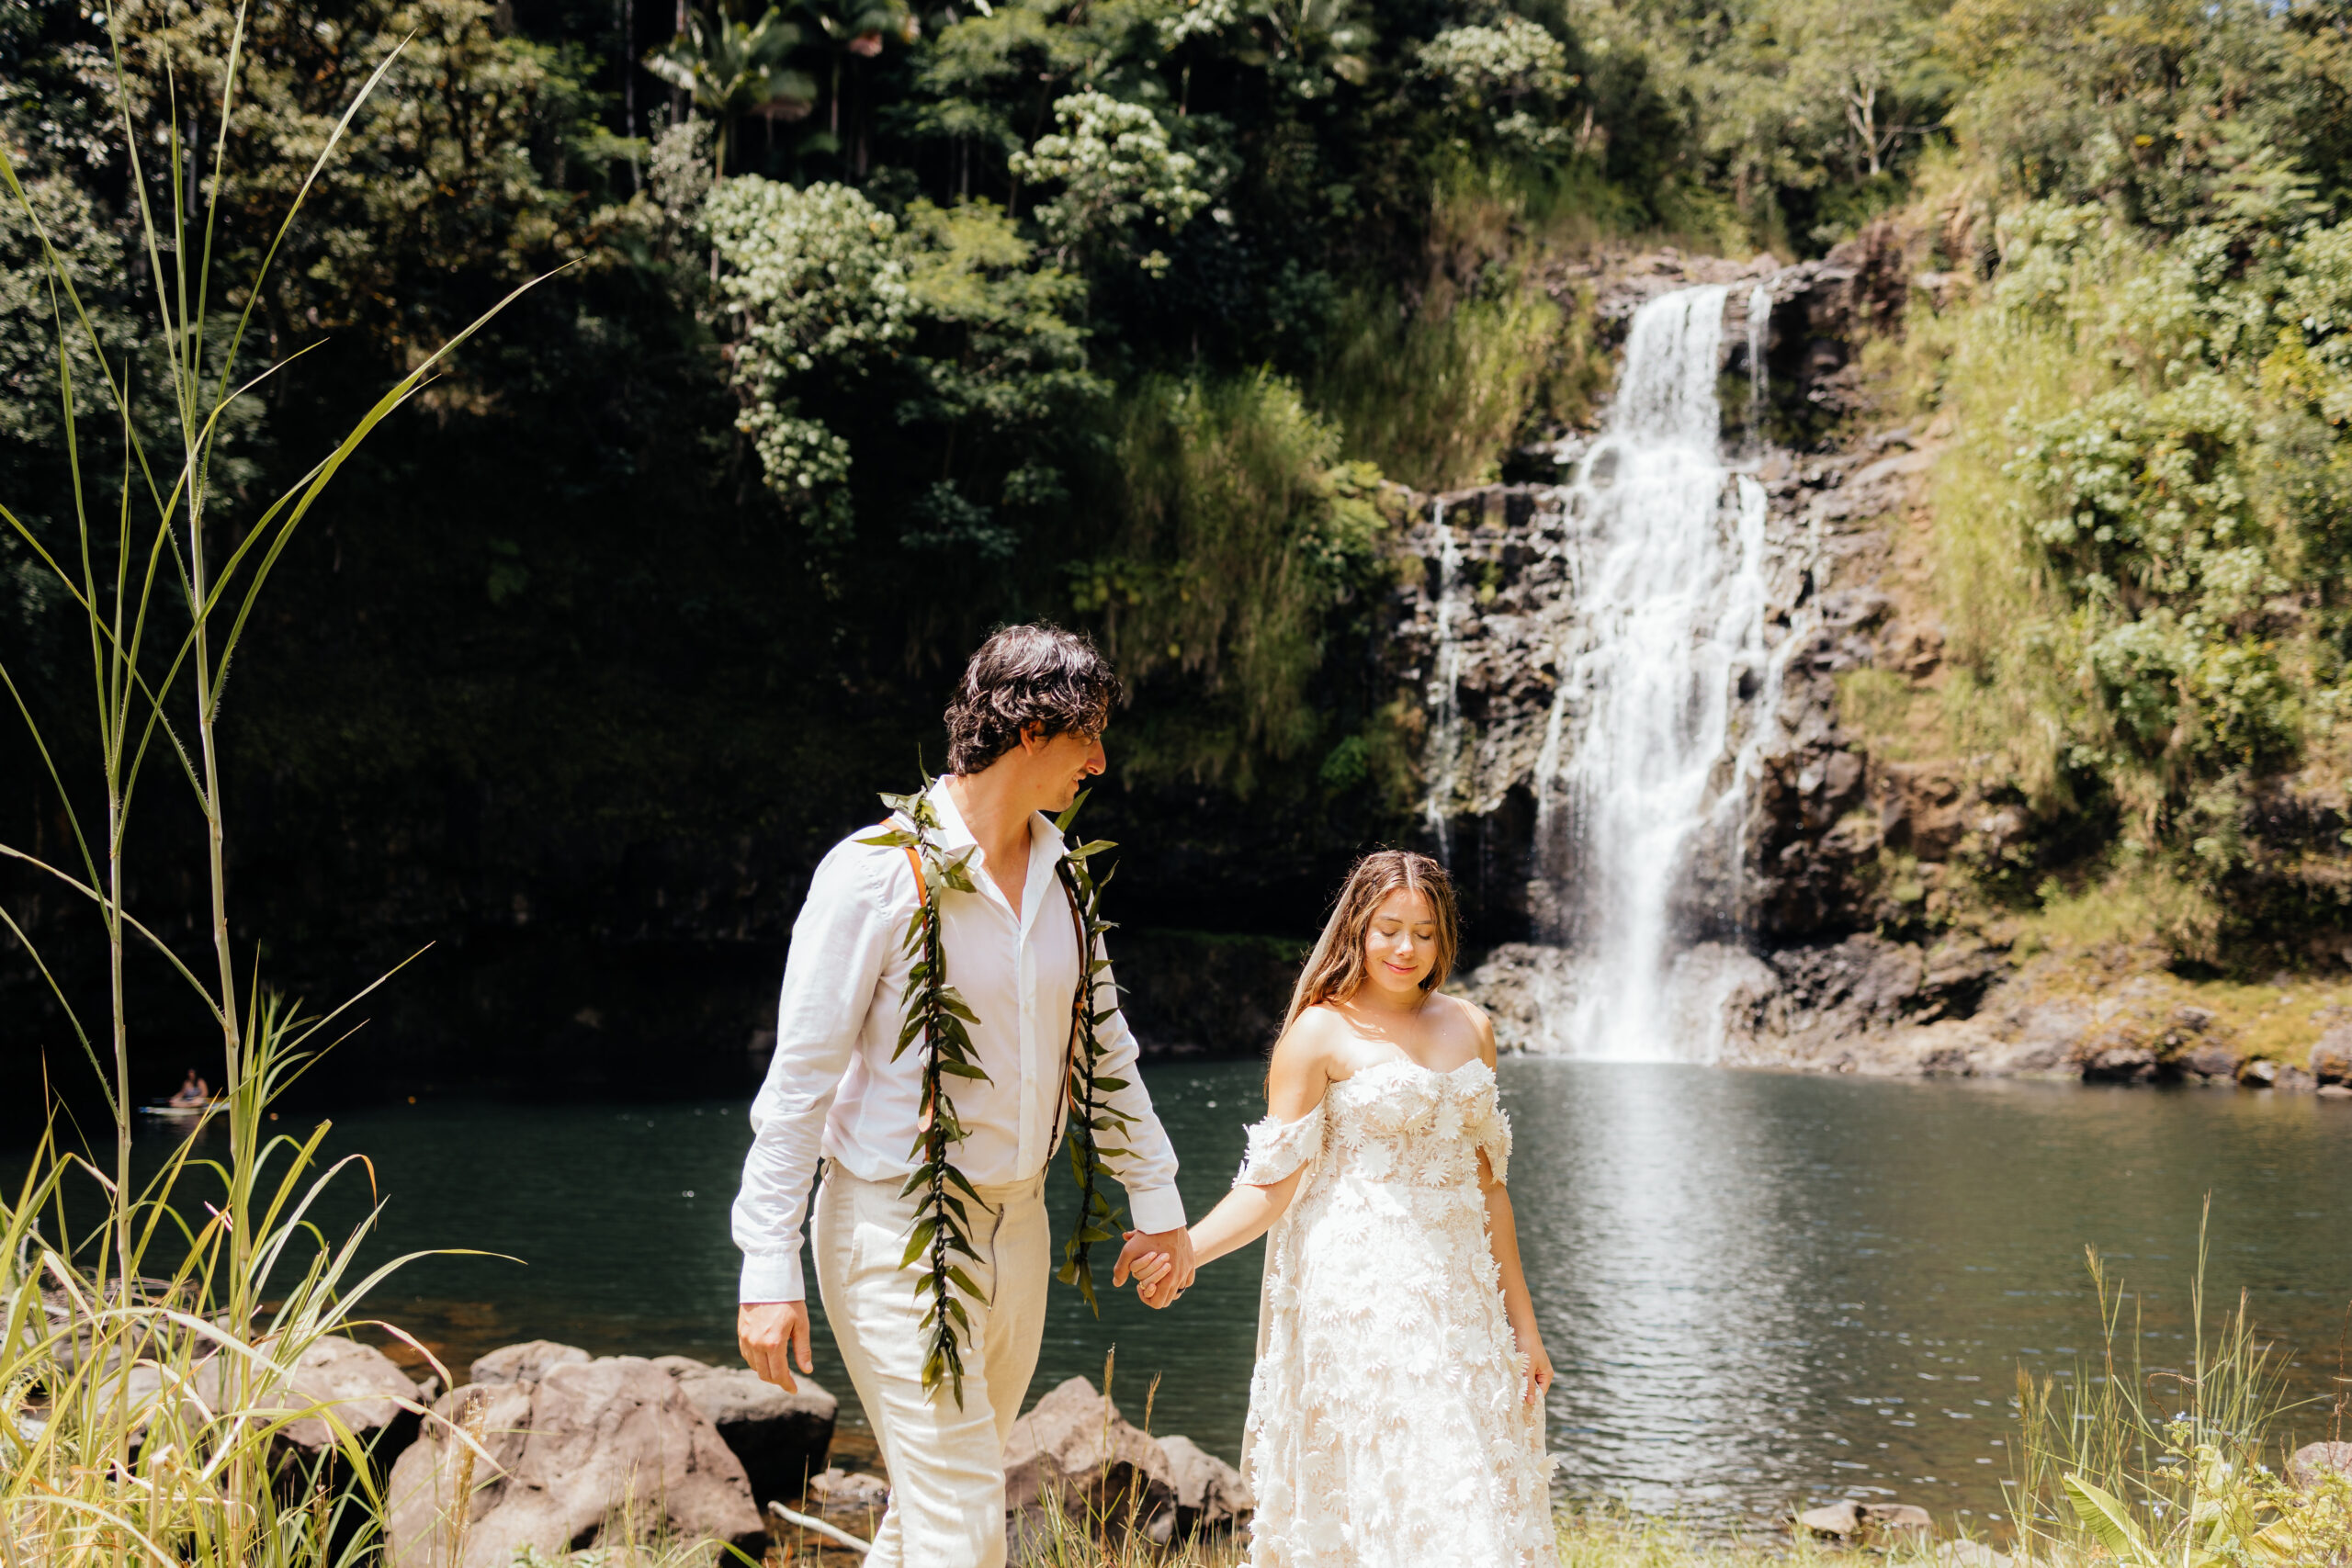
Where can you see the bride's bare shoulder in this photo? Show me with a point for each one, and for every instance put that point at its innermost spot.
(1313, 1036)
(1468, 1014)
(1304, 1056)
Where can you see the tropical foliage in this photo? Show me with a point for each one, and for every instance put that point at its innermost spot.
(877, 323)
(155, 1326)
(2141, 546)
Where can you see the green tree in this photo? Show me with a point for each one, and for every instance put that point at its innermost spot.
(732, 68)
(856, 29)
(1116, 169)
(948, 318)
(1514, 66)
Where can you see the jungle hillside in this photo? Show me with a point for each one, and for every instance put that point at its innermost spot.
(855, 328)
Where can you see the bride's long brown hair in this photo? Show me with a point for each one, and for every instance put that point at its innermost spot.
(1335, 968)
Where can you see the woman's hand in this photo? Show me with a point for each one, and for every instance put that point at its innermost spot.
(1152, 1262)
(1539, 1365)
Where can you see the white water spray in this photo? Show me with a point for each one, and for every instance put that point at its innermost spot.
(1650, 741)
(1760, 334)
(1445, 694)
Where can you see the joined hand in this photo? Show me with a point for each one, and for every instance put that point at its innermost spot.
(1161, 1262)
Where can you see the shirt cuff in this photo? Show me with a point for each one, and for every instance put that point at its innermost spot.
(772, 1277)
(1156, 1209)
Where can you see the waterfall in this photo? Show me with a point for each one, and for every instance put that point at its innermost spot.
(1759, 332)
(1654, 728)
(1444, 693)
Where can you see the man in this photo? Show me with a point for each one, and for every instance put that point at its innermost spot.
(1024, 734)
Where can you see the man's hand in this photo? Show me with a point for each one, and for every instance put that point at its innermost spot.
(1161, 1262)
(768, 1333)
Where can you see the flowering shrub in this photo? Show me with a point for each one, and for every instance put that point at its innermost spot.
(1117, 169)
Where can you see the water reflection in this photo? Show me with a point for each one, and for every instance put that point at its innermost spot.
(1757, 1289)
(1777, 1287)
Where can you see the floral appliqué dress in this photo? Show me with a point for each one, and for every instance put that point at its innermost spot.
(1389, 1426)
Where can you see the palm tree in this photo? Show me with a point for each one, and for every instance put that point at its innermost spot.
(733, 68)
(858, 27)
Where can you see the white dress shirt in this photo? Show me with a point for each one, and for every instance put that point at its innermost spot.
(834, 1089)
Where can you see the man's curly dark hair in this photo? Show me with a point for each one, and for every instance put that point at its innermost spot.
(1025, 675)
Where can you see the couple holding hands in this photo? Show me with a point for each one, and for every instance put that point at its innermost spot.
(1395, 1410)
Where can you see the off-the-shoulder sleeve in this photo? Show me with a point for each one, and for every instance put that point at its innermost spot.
(1489, 1130)
(1278, 1148)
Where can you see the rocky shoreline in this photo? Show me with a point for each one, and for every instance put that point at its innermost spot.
(1871, 1005)
(556, 1451)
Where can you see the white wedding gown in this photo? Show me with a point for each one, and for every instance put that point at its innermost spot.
(1389, 1426)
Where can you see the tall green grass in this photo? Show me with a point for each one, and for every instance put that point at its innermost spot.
(2007, 642)
(1244, 530)
(1435, 381)
(1490, 337)
(2170, 1467)
(149, 1331)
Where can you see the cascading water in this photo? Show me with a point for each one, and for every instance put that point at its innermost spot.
(1444, 693)
(1649, 742)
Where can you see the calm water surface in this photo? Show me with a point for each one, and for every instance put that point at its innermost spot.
(1757, 1289)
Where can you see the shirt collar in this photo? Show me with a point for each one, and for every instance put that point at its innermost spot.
(1047, 847)
(954, 835)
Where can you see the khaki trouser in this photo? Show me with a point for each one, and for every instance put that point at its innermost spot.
(947, 1463)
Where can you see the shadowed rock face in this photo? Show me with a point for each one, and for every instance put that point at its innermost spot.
(371, 1398)
(590, 1448)
(782, 1438)
(1075, 1446)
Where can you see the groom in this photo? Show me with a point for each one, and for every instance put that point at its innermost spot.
(1025, 732)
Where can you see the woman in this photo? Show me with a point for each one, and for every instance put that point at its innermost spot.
(1395, 1413)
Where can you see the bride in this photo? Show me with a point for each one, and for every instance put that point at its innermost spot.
(1396, 1409)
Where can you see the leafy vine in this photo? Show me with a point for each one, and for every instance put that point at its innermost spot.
(938, 1017)
(1089, 1119)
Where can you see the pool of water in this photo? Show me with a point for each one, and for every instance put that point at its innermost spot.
(1759, 1289)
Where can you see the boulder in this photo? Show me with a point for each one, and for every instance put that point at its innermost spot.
(782, 1438)
(1969, 1554)
(1874, 1523)
(835, 1496)
(1839, 1521)
(2211, 1060)
(2042, 1038)
(2335, 1091)
(1073, 1444)
(1885, 1521)
(587, 1450)
(2314, 1461)
(370, 1396)
(1209, 1492)
(2259, 1073)
(2332, 1057)
(527, 1363)
(2120, 1063)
